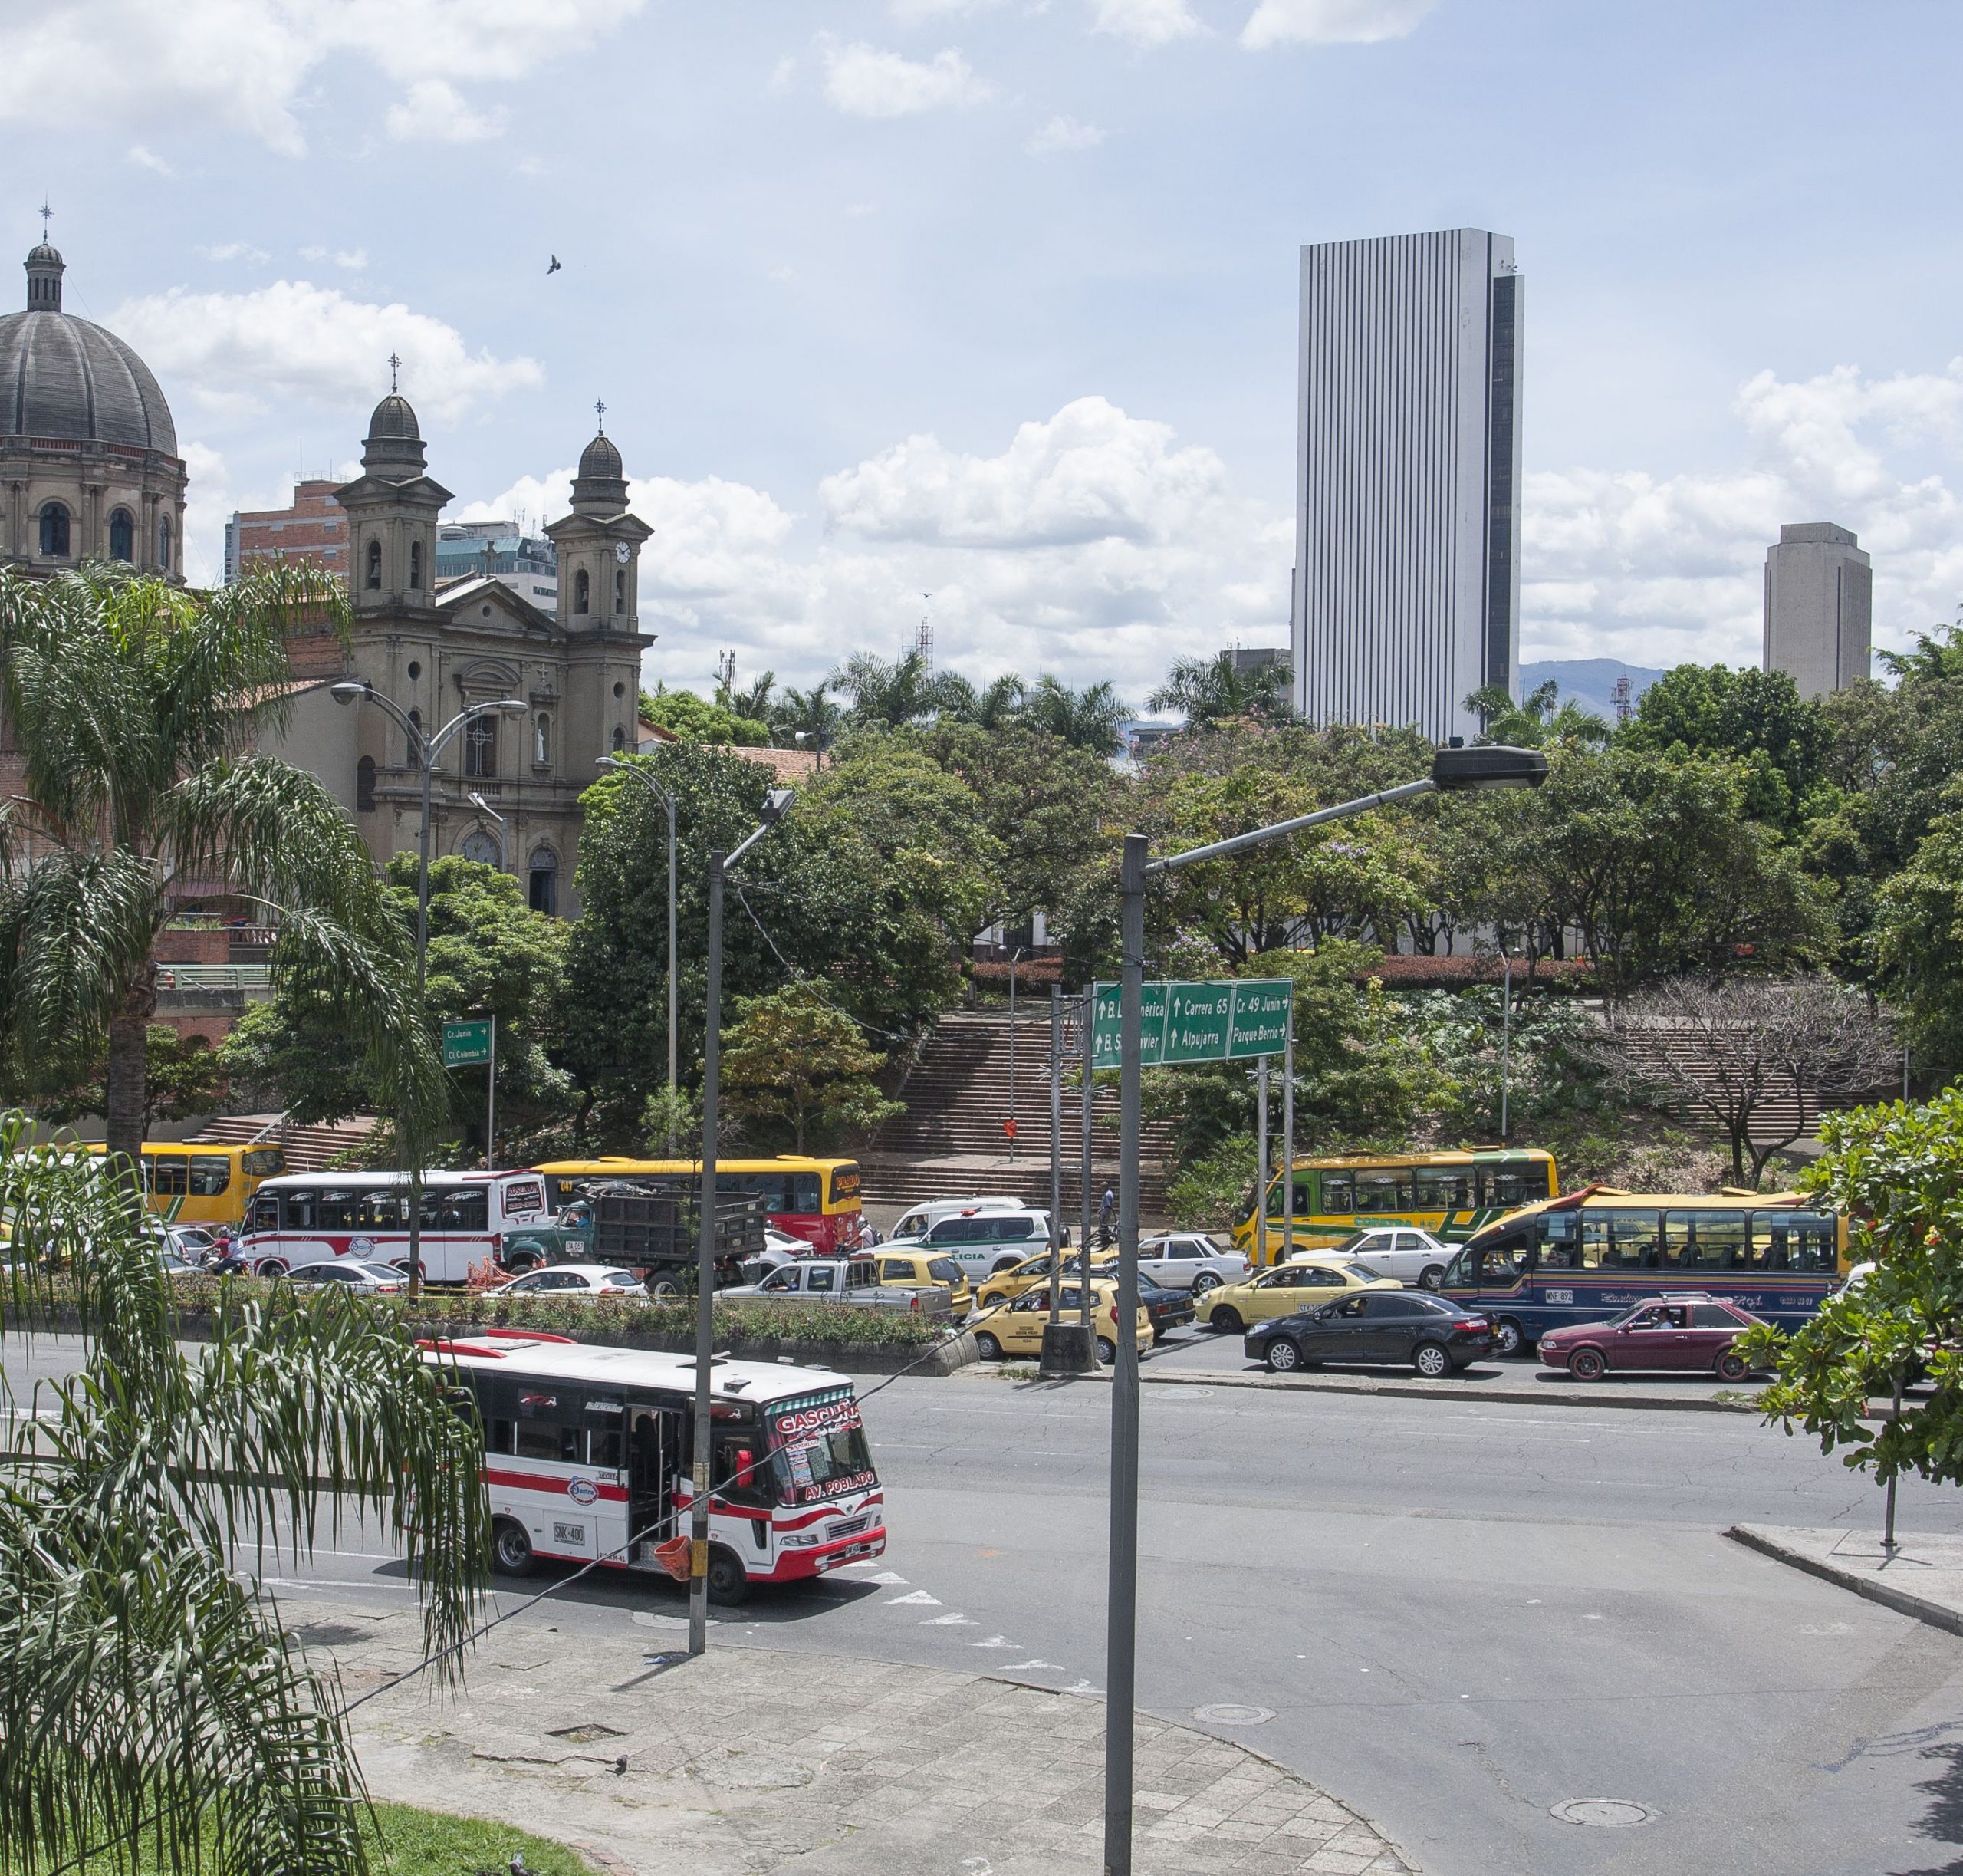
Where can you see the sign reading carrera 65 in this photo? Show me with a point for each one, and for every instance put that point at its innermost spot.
(1189, 1022)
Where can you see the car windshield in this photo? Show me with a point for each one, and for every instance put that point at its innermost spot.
(619, 1276)
(1623, 1318)
(1368, 1272)
(1355, 1241)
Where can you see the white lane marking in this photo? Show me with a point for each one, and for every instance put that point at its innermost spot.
(887, 1576)
(948, 1621)
(1022, 1667)
(994, 1642)
(918, 1596)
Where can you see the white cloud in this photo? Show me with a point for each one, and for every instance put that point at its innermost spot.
(148, 160)
(353, 259)
(236, 250)
(246, 63)
(1063, 134)
(1146, 22)
(243, 353)
(1332, 22)
(782, 74)
(434, 111)
(865, 81)
(1660, 569)
(1093, 546)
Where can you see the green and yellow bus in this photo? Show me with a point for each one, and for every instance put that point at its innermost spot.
(201, 1183)
(1451, 1195)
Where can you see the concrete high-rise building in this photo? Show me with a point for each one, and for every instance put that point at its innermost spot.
(1406, 594)
(1819, 607)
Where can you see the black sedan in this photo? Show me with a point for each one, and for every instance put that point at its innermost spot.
(1169, 1308)
(1433, 1336)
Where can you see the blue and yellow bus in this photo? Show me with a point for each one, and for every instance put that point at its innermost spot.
(1581, 1257)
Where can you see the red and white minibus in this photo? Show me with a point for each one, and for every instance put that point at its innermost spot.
(589, 1454)
(306, 1218)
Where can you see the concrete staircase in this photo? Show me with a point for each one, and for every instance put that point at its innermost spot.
(1647, 1050)
(950, 1140)
(307, 1149)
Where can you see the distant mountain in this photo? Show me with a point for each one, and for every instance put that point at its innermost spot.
(1590, 682)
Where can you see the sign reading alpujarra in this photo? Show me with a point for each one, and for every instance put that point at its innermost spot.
(1189, 1022)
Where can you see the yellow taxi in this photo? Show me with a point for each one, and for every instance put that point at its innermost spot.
(1000, 1285)
(1284, 1289)
(913, 1268)
(1017, 1330)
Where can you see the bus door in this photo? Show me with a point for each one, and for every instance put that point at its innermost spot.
(655, 1449)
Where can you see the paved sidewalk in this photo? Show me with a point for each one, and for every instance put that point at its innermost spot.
(1923, 1578)
(750, 1762)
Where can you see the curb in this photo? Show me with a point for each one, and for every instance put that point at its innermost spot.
(1938, 1615)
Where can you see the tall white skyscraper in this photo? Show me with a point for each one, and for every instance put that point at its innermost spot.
(1819, 607)
(1407, 545)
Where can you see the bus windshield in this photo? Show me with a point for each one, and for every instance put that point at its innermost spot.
(818, 1444)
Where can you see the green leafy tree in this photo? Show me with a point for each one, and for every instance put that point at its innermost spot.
(695, 719)
(1896, 1173)
(888, 693)
(1757, 718)
(1089, 719)
(154, 1708)
(185, 1080)
(133, 704)
(806, 719)
(1535, 720)
(1918, 945)
(792, 1060)
(993, 706)
(1212, 690)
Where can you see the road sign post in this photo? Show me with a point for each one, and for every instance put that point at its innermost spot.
(472, 1042)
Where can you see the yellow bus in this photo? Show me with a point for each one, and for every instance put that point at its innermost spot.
(1450, 1194)
(816, 1200)
(204, 1183)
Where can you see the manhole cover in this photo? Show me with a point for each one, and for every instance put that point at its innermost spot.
(1230, 1715)
(1612, 1813)
(585, 1734)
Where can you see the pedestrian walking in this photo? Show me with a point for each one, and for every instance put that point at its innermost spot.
(1107, 1213)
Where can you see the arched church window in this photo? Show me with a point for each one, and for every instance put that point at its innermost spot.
(121, 535)
(364, 786)
(375, 565)
(542, 886)
(416, 566)
(621, 591)
(541, 739)
(54, 531)
(619, 739)
(480, 747)
(582, 591)
(164, 544)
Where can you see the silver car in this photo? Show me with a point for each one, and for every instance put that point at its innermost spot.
(1190, 1260)
(1414, 1258)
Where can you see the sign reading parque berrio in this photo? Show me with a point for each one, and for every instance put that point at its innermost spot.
(1189, 1022)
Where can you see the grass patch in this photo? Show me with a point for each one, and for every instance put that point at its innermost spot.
(403, 1841)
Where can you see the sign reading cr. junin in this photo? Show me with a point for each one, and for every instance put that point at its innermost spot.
(1189, 1022)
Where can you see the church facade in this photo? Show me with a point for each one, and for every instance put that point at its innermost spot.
(89, 471)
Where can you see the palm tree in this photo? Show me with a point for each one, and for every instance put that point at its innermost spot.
(995, 706)
(809, 714)
(755, 703)
(1534, 722)
(1089, 719)
(891, 693)
(132, 705)
(152, 1708)
(1212, 690)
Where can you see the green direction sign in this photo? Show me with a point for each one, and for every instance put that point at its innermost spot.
(1189, 1022)
(467, 1045)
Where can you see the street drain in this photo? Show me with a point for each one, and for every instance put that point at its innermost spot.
(1612, 1813)
(1230, 1715)
(586, 1734)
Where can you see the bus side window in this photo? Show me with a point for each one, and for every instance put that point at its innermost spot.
(300, 1209)
(1632, 1241)
(1382, 1192)
(170, 1180)
(1339, 1193)
(337, 1209)
(1813, 1242)
(548, 1424)
(1558, 1246)
(1594, 1240)
(265, 1212)
(211, 1175)
(607, 1433)
(465, 1208)
(1442, 1188)
(383, 1208)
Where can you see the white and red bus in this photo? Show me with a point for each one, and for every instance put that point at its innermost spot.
(306, 1218)
(589, 1456)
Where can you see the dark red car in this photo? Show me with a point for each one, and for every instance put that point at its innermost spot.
(1684, 1331)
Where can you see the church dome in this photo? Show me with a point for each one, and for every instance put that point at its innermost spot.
(394, 438)
(67, 379)
(600, 459)
(600, 488)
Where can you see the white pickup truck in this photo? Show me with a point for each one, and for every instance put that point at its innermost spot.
(841, 1280)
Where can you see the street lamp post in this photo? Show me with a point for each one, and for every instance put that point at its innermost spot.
(775, 804)
(1495, 766)
(483, 807)
(425, 751)
(667, 800)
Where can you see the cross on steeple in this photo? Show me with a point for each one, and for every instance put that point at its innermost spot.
(395, 366)
(600, 411)
(47, 215)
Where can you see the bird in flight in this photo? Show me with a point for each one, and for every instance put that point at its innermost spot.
(555, 267)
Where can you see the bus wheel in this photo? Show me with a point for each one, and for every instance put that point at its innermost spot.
(1586, 1364)
(1509, 1338)
(663, 1289)
(511, 1548)
(987, 1347)
(1431, 1276)
(1731, 1366)
(1226, 1320)
(524, 1264)
(728, 1581)
(272, 1267)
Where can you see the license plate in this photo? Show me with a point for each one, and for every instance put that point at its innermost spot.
(845, 1556)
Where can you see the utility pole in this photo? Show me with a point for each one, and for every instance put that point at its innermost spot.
(1261, 1184)
(1056, 1144)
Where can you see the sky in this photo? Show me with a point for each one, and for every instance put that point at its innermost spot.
(995, 300)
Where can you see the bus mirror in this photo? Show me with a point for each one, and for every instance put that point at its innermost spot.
(1066, 1237)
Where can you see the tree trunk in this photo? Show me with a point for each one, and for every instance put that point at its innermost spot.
(125, 1099)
